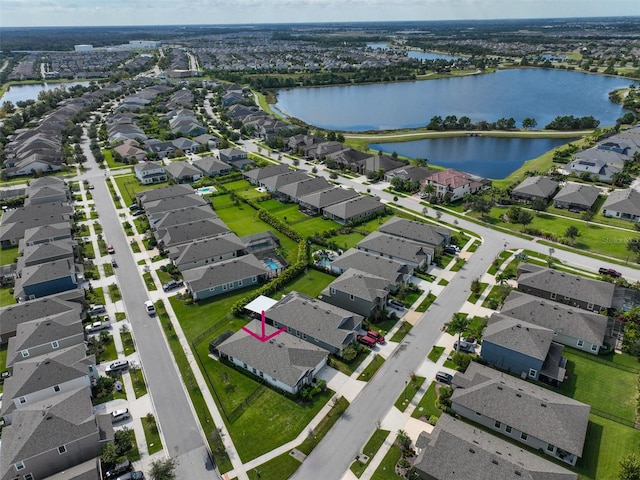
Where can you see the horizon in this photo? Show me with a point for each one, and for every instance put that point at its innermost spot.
(144, 13)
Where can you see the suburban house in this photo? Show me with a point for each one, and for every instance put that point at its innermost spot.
(261, 243)
(456, 450)
(212, 167)
(598, 169)
(294, 191)
(47, 190)
(36, 254)
(624, 204)
(53, 232)
(358, 292)
(524, 349)
(394, 271)
(188, 232)
(209, 250)
(229, 155)
(160, 148)
(377, 163)
(535, 188)
(408, 173)
(285, 361)
(15, 222)
(165, 192)
(576, 196)
(354, 209)
(150, 172)
(453, 184)
(183, 172)
(416, 231)
(225, 276)
(572, 327)
(315, 321)
(171, 218)
(257, 175)
(275, 182)
(318, 201)
(46, 279)
(165, 205)
(348, 159)
(524, 412)
(130, 150)
(207, 141)
(67, 430)
(186, 145)
(566, 288)
(412, 253)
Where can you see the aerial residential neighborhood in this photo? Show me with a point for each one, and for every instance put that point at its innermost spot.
(196, 284)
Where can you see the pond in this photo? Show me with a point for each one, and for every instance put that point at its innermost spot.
(419, 55)
(489, 157)
(30, 91)
(541, 94)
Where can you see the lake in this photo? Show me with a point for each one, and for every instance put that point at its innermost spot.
(519, 93)
(489, 157)
(22, 93)
(414, 53)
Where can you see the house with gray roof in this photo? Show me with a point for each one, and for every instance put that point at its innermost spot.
(379, 162)
(624, 204)
(160, 148)
(54, 232)
(294, 191)
(46, 279)
(232, 155)
(166, 205)
(394, 271)
(410, 173)
(455, 450)
(318, 201)
(225, 276)
(47, 194)
(257, 175)
(275, 182)
(286, 361)
(180, 216)
(53, 436)
(572, 327)
(261, 243)
(165, 192)
(186, 144)
(358, 292)
(576, 196)
(150, 172)
(13, 315)
(524, 349)
(15, 222)
(44, 252)
(534, 188)
(188, 232)
(183, 172)
(396, 248)
(208, 141)
(354, 209)
(317, 322)
(599, 166)
(207, 251)
(566, 288)
(416, 231)
(535, 416)
(212, 167)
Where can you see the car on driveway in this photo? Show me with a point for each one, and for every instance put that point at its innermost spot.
(367, 340)
(132, 476)
(118, 469)
(465, 347)
(97, 326)
(97, 309)
(396, 304)
(444, 377)
(452, 249)
(120, 415)
(377, 335)
(609, 272)
(117, 366)
(172, 285)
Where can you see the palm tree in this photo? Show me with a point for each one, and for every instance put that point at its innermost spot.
(458, 324)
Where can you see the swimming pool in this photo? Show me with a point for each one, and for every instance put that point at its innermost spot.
(205, 190)
(323, 262)
(271, 264)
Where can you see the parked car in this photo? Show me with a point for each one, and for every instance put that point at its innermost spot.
(377, 335)
(134, 207)
(118, 469)
(149, 307)
(367, 340)
(114, 264)
(110, 249)
(119, 415)
(444, 377)
(395, 303)
(96, 326)
(91, 187)
(96, 309)
(464, 347)
(610, 272)
(117, 366)
(132, 476)
(172, 284)
(451, 249)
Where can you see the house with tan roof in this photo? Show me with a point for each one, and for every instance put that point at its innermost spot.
(452, 183)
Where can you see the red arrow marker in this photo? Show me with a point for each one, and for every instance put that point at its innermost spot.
(264, 337)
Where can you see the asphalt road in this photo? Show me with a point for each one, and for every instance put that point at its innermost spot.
(176, 419)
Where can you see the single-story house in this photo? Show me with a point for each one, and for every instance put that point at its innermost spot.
(535, 188)
(165, 192)
(285, 361)
(165, 205)
(276, 182)
(576, 196)
(150, 172)
(294, 191)
(183, 172)
(354, 209)
(318, 201)
(207, 251)
(257, 175)
(171, 218)
(212, 167)
(130, 149)
(229, 155)
(358, 292)
(186, 144)
(207, 140)
(624, 204)
(189, 232)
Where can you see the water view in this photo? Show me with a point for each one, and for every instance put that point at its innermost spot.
(488, 157)
(414, 53)
(22, 93)
(518, 93)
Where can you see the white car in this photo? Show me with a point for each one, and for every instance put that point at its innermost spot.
(149, 307)
(117, 366)
(96, 326)
(119, 415)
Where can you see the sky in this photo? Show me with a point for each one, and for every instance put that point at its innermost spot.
(210, 12)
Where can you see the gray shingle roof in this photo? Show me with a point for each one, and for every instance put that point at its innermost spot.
(147, 166)
(188, 232)
(324, 198)
(165, 192)
(174, 203)
(199, 250)
(560, 318)
(384, 244)
(416, 231)
(359, 284)
(45, 232)
(278, 181)
(285, 357)
(182, 169)
(210, 165)
(182, 215)
(258, 174)
(624, 201)
(392, 270)
(13, 315)
(578, 194)
(459, 451)
(541, 413)
(227, 271)
(34, 254)
(353, 207)
(317, 319)
(519, 336)
(537, 186)
(305, 187)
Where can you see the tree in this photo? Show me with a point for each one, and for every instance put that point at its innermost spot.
(481, 205)
(476, 286)
(539, 205)
(572, 233)
(163, 469)
(109, 454)
(529, 123)
(525, 218)
(458, 324)
(633, 245)
(629, 467)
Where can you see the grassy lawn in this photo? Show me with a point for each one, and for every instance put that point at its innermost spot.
(148, 281)
(283, 466)
(291, 214)
(435, 353)
(108, 269)
(338, 407)
(401, 332)
(135, 248)
(426, 303)
(120, 316)
(473, 298)
(502, 256)
(350, 367)
(114, 292)
(370, 449)
(109, 353)
(408, 393)
(115, 394)
(163, 276)
(151, 434)
(6, 296)
(9, 255)
(368, 373)
(386, 470)
(443, 282)
(96, 296)
(311, 283)
(427, 405)
(129, 187)
(3, 357)
(127, 343)
(458, 265)
(496, 296)
(137, 379)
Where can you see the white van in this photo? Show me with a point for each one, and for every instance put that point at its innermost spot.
(119, 415)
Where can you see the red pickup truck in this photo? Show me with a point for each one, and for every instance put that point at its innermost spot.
(376, 335)
(367, 340)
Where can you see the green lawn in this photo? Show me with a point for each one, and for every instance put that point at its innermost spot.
(120, 316)
(148, 281)
(6, 296)
(114, 292)
(311, 283)
(350, 367)
(426, 303)
(108, 269)
(291, 214)
(408, 393)
(163, 276)
(129, 187)
(137, 379)
(370, 449)
(427, 405)
(8, 255)
(401, 332)
(3, 357)
(386, 470)
(127, 343)
(435, 353)
(337, 409)
(279, 468)
(368, 373)
(96, 296)
(109, 353)
(151, 434)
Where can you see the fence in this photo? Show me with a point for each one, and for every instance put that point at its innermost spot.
(602, 361)
(615, 418)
